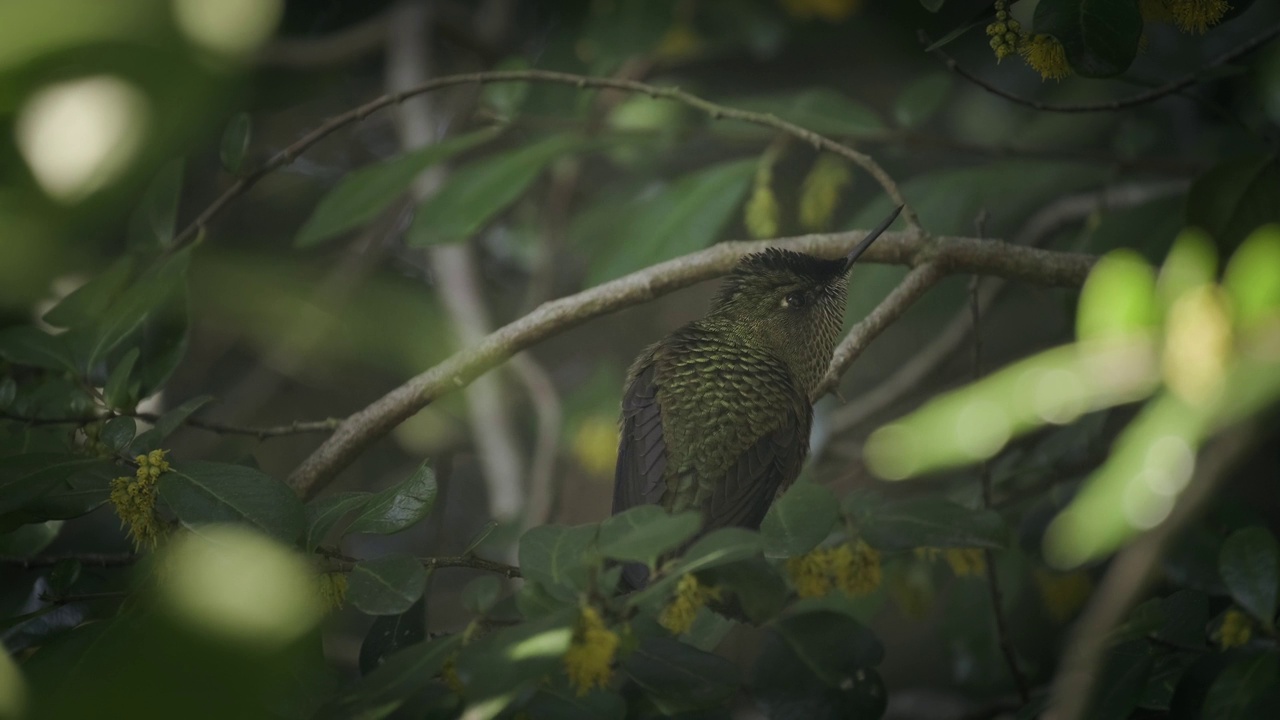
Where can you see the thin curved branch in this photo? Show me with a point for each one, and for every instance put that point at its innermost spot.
(286, 156)
(1141, 98)
(949, 254)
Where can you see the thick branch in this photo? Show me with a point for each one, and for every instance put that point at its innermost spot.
(949, 255)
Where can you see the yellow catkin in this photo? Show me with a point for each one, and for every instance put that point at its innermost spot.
(589, 659)
(810, 573)
(851, 569)
(966, 561)
(1236, 629)
(1197, 16)
(595, 445)
(332, 587)
(682, 610)
(449, 674)
(1046, 56)
(134, 499)
(820, 192)
(762, 212)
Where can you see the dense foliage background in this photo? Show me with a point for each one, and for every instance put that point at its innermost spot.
(195, 292)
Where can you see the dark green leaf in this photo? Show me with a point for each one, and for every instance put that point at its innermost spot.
(1235, 197)
(562, 703)
(144, 299)
(1186, 613)
(86, 303)
(391, 633)
(382, 691)
(26, 481)
(719, 547)
(480, 594)
(921, 99)
(205, 492)
(116, 392)
(235, 142)
(1248, 688)
(786, 688)
(480, 537)
(366, 192)
(558, 557)
(680, 678)
(643, 534)
(1100, 36)
(507, 662)
(1122, 680)
(821, 110)
(152, 223)
(117, 433)
(756, 587)
(505, 98)
(535, 602)
(932, 522)
(1167, 671)
(25, 345)
(399, 506)
(1249, 563)
(800, 519)
(388, 585)
(932, 6)
(474, 194)
(167, 423)
(325, 512)
(30, 539)
(8, 391)
(833, 645)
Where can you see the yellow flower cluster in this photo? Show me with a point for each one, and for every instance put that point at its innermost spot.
(589, 659)
(1006, 33)
(691, 596)
(1236, 629)
(1042, 52)
(963, 561)
(332, 589)
(134, 499)
(1191, 16)
(853, 570)
(449, 673)
(1062, 594)
(595, 445)
(820, 192)
(762, 211)
(832, 11)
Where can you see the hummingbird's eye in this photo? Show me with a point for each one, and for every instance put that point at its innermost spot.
(794, 301)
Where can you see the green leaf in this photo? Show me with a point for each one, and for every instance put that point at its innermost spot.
(366, 192)
(398, 507)
(1118, 298)
(719, 547)
(388, 585)
(821, 110)
(1249, 563)
(643, 534)
(117, 433)
(534, 602)
(564, 703)
(382, 691)
(921, 99)
(799, 520)
(85, 305)
(833, 645)
(686, 215)
(1248, 688)
(1192, 263)
(205, 492)
(235, 142)
(391, 633)
(504, 664)
(1186, 614)
(28, 540)
(480, 594)
(1122, 680)
(167, 423)
(116, 392)
(680, 678)
(145, 298)
(324, 512)
(474, 194)
(506, 98)
(757, 585)
(557, 556)
(27, 479)
(1251, 278)
(1100, 37)
(932, 6)
(152, 223)
(25, 345)
(1235, 197)
(932, 522)
(785, 686)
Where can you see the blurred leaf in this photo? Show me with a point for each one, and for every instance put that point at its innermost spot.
(932, 6)
(117, 433)
(366, 192)
(152, 223)
(148, 294)
(556, 556)
(932, 522)
(1186, 613)
(1167, 670)
(506, 662)
(799, 520)
(400, 506)
(480, 537)
(391, 633)
(756, 585)
(480, 594)
(1250, 566)
(716, 548)
(235, 142)
(472, 195)
(1118, 298)
(25, 345)
(116, 392)
(833, 645)
(1192, 263)
(1235, 197)
(824, 111)
(31, 479)
(684, 216)
(785, 687)
(1122, 680)
(644, 533)
(205, 492)
(680, 678)
(388, 585)
(534, 602)
(28, 540)
(505, 98)
(382, 691)
(84, 305)
(563, 703)
(1100, 37)
(1248, 688)
(922, 98)
(324, 512)
(1251, 278)
(167, 423)
(64, 574)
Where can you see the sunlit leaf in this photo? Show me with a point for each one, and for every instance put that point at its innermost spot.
(400, 506)
(1118, 298)
(1192, 263)
(1251, 278)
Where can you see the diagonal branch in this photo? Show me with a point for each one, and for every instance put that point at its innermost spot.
(286, 156)
(948, 255)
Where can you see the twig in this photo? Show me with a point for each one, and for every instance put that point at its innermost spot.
(984, 474)
(1141, 98)
(296, 427)
(1128, 575)
(949, 254)
(714, 110)
(308, 53)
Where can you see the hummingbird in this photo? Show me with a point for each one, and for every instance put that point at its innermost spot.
(716, 416)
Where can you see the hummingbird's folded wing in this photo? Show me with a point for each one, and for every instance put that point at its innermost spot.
(642, 451)
(743, 496)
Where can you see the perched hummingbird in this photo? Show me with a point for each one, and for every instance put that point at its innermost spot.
(716, 416)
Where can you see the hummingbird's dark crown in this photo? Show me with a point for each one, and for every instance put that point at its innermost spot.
(773, 268)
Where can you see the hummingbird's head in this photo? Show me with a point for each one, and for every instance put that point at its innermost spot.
(792, 303)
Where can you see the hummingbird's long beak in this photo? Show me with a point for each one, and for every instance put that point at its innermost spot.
(870, 238)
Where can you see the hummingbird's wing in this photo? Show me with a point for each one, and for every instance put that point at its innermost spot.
(642, 451)
(772, 463)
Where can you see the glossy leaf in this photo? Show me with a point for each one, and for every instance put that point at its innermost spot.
(323, 513)
(932, 522)
(555, 556)
(1249, 563)
(116, 392)
(474, 194)
(235, 142)
(388, 585)
(167, 423)
(366, 192)
(391, 633)
(400, 506)
(799, 520)
(203, 492)
(1100, 37)
(117, 433)
(642, 534)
